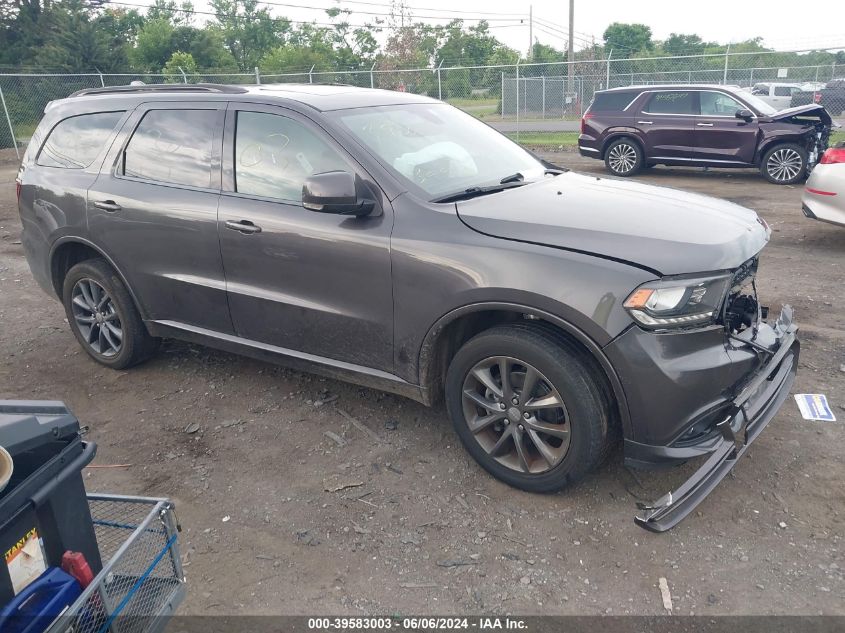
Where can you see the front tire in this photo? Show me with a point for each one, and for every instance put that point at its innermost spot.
(784, 164)
(528, 407)
(624, 157)
(103, 316)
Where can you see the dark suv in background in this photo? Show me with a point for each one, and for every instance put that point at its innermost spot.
(397, 242)
(709, 126)
(831, 97)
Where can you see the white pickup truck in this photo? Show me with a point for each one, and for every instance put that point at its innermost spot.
(777, 95)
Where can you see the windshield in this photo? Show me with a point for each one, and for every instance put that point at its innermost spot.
(438, 148)
(758, 104)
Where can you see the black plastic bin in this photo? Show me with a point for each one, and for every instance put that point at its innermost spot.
(46, 492)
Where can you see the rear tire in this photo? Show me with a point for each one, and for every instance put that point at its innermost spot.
(784, 164)
(559, 444)
(103, 316)
(624, 157)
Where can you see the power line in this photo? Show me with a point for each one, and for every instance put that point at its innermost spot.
(284, 20)
(387, 14)
(387, 4)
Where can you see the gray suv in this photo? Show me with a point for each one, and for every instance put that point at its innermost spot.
(393, 241)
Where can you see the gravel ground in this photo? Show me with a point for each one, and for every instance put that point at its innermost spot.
(280, 517)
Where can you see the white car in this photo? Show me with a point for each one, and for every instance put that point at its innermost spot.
(824, 194)
(777, 95)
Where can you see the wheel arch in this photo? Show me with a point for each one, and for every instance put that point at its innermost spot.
(453, 329)
(618, 133)
(785, 139)
(68, 251)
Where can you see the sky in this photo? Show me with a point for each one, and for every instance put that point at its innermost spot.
(778, 22)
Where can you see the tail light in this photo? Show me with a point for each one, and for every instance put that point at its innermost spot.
(18, 189)
(833, 155)
(587, 115)
(817, 97)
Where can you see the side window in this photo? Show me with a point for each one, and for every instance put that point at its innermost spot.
(75, 142)
(274, 155)
(718, 104)
(672, 102)
(783, 91)
(173, 146)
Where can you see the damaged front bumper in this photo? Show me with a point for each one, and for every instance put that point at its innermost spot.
(749, 413)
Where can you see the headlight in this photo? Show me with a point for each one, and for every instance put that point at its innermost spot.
(675, 302)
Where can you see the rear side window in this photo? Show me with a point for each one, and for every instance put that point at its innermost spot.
(75, 142)
(173, 146)
(784, 91)
(611, 101)
(672, 102)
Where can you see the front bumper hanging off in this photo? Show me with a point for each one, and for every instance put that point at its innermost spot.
(752, 409)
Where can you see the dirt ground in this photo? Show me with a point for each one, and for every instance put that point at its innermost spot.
(420, 528)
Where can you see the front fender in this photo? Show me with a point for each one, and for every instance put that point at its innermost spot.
(427, 361)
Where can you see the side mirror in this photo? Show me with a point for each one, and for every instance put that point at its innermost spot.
(335, 192)
(745, 114)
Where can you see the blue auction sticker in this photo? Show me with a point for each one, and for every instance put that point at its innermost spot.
(814, 406)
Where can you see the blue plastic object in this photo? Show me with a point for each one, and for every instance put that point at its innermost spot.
(41, 602)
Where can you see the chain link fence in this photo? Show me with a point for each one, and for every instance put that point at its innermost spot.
(514, 95)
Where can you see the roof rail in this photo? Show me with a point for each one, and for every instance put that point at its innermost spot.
(218, 88)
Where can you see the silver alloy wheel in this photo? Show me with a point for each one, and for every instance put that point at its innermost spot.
(97, 318)
(516, 414)
(784, 164)
(622, 158)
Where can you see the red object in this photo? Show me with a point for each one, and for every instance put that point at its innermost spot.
(18, 189)
(587, 115)
(819, 192)
(74, 564)
(833, 155)
(817, 97)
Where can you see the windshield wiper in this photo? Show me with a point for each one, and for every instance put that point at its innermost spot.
(474, 192)
(517, 177)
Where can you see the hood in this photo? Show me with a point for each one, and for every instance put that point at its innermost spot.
(666, 231)
(811, 109)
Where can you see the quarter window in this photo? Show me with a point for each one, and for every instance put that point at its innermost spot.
(672, 102)
(274, 155)
(173, 146)
(75, 142)
(719, 104)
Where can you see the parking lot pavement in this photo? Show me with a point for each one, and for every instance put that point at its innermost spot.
(289, 507)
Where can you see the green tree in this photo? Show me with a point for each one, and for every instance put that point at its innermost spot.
(178, 64)
(249, 32)
(628, 39)
(154, 45)
(73, 42)
(681, 44)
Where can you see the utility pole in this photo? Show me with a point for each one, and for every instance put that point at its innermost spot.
(571, 53)
(530, 32)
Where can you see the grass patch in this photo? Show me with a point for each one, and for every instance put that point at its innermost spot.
(544, 139)
(472, 103)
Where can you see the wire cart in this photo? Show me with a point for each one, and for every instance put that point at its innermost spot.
(141, 582)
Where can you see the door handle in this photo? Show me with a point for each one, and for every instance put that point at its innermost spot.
(243, 226)
(646, 122)
(107, 205)
(704, 124)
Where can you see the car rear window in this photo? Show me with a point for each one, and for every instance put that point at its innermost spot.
(75, 142)
(672, 102)
(611, 101)
(173, 146)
